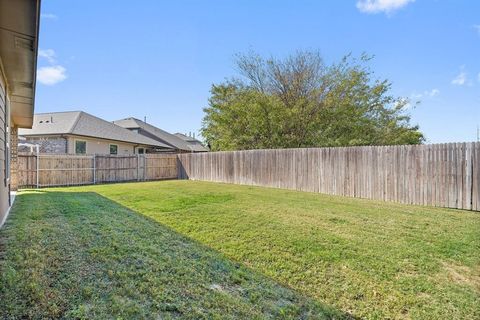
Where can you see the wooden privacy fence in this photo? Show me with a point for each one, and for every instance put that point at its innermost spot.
(445, 175)
(47, 170)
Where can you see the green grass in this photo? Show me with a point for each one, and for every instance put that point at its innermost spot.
(80, 255)
(197, 249)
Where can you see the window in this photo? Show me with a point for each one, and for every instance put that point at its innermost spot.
(113, 149)
(141, 151)
(80, 147)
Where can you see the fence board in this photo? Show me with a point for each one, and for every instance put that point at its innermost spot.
(158, 167)
(444, 175)
(68, 170)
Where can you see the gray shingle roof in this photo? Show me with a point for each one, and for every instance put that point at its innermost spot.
(84, 124)
(162, 135)
(195, 145)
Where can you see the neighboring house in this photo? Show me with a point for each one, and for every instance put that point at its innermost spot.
(147, 130)
(195, 144)
(19, 21)
(77, 132)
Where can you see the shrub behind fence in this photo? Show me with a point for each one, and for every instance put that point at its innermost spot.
(445, 175)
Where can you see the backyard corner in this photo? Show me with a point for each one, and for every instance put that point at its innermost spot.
(194, 249)
(239, 160)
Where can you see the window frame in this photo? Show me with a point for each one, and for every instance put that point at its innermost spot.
(110, 148)
(75, 146)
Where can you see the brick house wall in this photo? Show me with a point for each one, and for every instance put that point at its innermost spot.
(14, 158)
(57, 145)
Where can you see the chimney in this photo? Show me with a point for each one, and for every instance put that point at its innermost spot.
(145, 119)
(194, 135)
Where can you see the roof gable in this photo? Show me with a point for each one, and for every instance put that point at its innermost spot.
(52, 123)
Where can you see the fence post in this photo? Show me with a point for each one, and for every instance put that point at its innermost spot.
(94, 168)
(37, 163)
(138, 167)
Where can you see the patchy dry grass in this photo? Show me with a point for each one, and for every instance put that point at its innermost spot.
(366, 258)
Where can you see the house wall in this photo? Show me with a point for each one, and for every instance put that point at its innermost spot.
(4, 184)
(13, 158)
(100, 146)
(66, 144)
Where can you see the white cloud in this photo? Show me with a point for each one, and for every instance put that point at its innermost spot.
(417, 95)
(48, 16)
(377, 6)
(48, 54)
(460, 79)
(432, 93)
(51, 75)
(427, 93)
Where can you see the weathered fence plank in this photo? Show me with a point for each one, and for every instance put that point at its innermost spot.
(158, 167)
(68, 170)
(444, 175)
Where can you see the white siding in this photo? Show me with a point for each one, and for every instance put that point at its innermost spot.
(4, 184)
(100, 146)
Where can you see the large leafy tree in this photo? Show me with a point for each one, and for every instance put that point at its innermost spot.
(302, 102)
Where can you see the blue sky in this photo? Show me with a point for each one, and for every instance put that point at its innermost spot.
(158, 59)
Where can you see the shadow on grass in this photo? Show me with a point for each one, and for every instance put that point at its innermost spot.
(81, 255)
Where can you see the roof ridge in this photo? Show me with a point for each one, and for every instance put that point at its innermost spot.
(53, 112)
(160, 134)
(173, 136)
(127, 118)
(76, 121)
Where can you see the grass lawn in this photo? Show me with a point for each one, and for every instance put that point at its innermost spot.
(197, 249)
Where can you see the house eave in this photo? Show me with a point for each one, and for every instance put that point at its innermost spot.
(19, 28)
